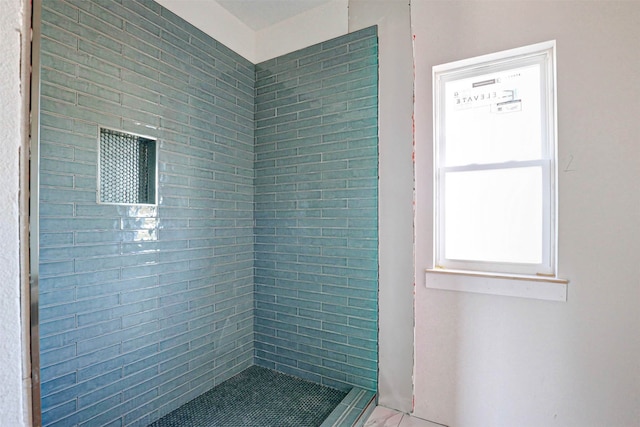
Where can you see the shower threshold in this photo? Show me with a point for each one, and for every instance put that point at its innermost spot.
(261, 397)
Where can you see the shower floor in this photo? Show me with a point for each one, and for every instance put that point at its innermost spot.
(257, 397)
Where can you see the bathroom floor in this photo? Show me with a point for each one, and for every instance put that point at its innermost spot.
(385, 417)
(257, 397)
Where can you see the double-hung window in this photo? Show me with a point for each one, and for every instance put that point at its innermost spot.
(495, 167)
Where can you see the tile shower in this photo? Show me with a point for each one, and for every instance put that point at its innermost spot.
(262, 248)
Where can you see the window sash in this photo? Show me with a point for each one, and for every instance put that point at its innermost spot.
(544, 55)
(546, 251)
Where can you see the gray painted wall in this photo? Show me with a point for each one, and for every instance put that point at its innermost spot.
(395, 367)
(503, 361)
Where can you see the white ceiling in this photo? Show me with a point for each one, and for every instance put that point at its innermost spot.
(263, 29)
(260, 14)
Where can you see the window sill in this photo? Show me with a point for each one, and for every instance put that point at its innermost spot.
(535, 287)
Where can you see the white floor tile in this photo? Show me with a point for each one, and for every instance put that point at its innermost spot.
(384, 417)
(408, 421)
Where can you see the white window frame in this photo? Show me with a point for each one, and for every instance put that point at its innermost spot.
(543, 54)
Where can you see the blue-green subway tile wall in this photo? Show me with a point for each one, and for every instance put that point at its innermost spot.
(142, 308)
(316, 184)
(262, 248)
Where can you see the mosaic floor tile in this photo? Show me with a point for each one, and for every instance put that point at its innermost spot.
(257, 397)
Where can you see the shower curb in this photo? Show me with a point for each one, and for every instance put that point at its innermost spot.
(353, 410)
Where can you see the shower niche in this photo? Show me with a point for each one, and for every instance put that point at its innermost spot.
(127, 168)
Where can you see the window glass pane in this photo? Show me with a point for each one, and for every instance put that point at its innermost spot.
(494, 215)
(493, 118)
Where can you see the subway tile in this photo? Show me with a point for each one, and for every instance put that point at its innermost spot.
(354, 55)
(79, 251)
(366, 86)
(93, 15)
(72, 392)
(341, 330)
(351, 349)
(91, 29)
(55, 268)
(116, 287)
(56, 180)
(91, 413)
(328, 51)
(58, 92)
(353, 115)
(85, 156)
(364, 43)
(369, 33)
(66, 166)
(68, 67)
(337, 197)
(55, 384)
(57, 412)
(82, 182)
(144, 7)
(48, 120)
(62, 9)
(56, 239)
(98, 388)
(355, 371)
(60, 43)
(207, 206)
